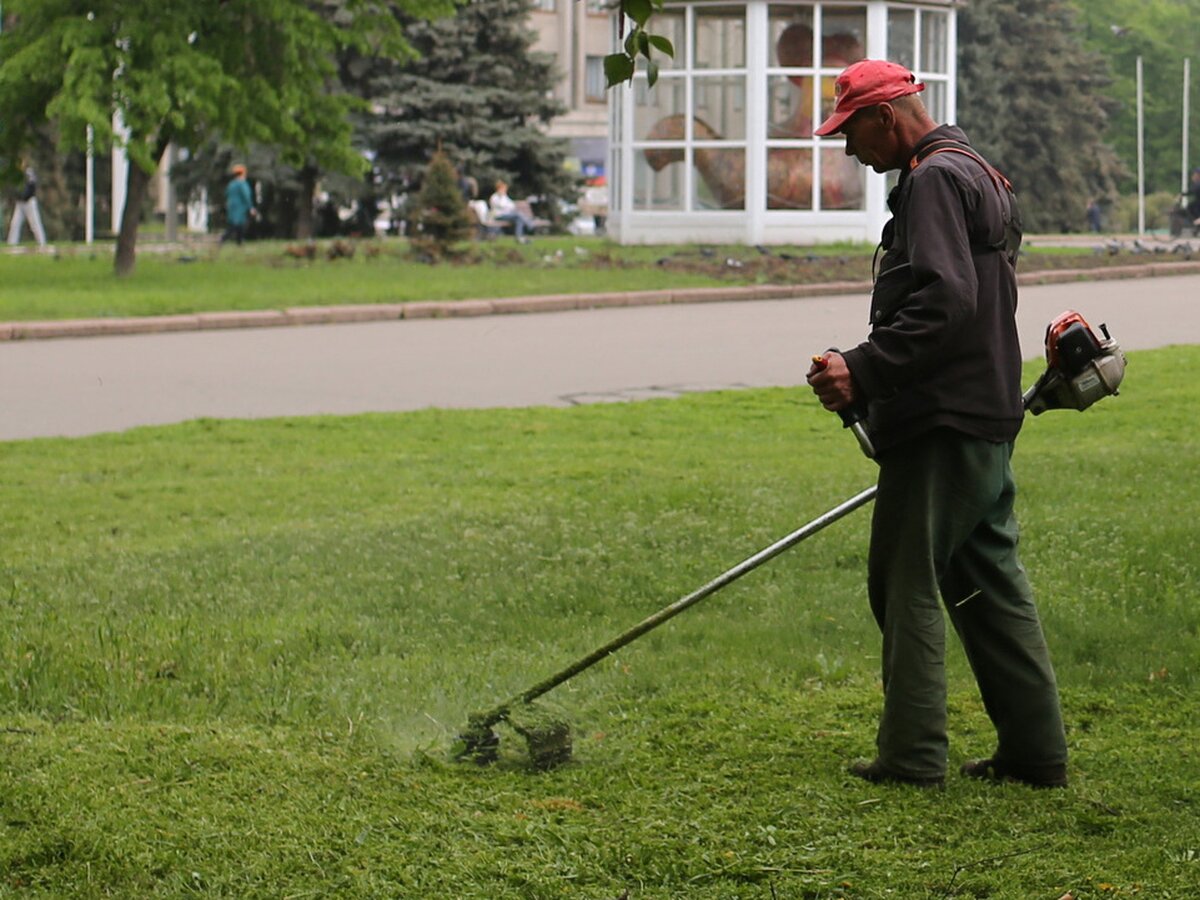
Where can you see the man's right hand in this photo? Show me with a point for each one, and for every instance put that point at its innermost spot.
(829, 378)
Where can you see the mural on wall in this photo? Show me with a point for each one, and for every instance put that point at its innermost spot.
(789, 170)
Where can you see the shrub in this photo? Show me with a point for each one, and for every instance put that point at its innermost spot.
(441, 214)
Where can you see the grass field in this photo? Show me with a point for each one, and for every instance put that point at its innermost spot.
(76, 282)
(236, 655)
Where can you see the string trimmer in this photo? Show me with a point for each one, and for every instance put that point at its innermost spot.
(1081, 369)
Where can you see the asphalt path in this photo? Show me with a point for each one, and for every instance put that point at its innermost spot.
(81, 386)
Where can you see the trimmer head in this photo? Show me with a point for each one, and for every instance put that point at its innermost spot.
(547, 738)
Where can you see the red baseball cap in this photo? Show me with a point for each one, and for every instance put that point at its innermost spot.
(866, 83)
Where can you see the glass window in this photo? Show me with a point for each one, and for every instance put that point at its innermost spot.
(843, 180)
(789, 106)
(934, 38)
(843, 35)
(670, 25)
(593, 78)
(791, 32)
(545, 5)
(658, 113)
(720, 37)
(789, 178)
(902, 37)
(657, 185)
(720, 102)
(935, 99)
(721, 181)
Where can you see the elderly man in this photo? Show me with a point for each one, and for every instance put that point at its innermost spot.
(939, 375)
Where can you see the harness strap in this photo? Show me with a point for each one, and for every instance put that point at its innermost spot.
(948, 146)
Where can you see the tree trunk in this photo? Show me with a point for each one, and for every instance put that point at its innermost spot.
(131, 216)
(304, 203)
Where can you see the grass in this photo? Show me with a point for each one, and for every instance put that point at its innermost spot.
(236, 656)
(79, 284)
(76, 282)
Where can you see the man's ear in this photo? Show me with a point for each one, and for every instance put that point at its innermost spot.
(887, 114)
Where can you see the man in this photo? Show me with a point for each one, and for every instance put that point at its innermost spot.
(940, 377)
(27, 209)
(239, 206)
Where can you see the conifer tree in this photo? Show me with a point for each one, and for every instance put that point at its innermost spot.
(441, 215)
(479, 91)
(1031, 98)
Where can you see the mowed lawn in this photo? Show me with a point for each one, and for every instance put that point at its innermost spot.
(236, 656)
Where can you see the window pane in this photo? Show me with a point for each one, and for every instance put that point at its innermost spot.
(828, 97)
(791, 30)
(789, 106)
(658, 188)
(902, 37)
(671, 26)
(935, 99)
(722, 179)
(843, 35)
(843, 180)
(593, 79)
(720, 107)
(789, 179)
(720, 37)
(934, 37)
(658, 111)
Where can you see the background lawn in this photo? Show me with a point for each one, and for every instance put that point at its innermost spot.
(236, 655)
(76, 282)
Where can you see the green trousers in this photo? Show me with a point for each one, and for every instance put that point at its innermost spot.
(943, 525)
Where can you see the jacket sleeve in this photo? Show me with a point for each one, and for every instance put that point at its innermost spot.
(909, 342)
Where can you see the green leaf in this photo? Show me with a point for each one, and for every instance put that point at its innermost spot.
(638, 10)
(662, 44)
(631, 42)
(618, 68)
(643, 43)
(651, 73)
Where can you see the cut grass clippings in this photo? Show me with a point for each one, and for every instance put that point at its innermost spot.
(236, 656)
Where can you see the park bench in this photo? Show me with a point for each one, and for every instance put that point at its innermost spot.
(488, 227)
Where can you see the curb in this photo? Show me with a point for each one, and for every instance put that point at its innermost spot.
(452, 309)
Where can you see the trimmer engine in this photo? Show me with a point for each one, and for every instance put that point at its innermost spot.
(1081, 368)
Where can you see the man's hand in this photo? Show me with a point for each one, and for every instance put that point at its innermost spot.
(830, 380)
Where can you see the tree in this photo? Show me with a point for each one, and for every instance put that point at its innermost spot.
(1032, 100)
(441, 214)
(1163, 33)
(479, 92)
(183, 71)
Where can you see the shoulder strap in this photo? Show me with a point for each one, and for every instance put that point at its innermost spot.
(1011, 241)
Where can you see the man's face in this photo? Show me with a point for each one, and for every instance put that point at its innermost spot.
(868, 139)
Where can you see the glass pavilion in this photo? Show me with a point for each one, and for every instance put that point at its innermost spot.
(722, 148)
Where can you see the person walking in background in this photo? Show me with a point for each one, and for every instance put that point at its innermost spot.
(27, 209)
(1193, 206)
(239, 206)
(939, 375)
(1095, 216)
(505, 210)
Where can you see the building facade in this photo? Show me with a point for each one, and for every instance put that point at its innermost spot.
(722, 148)
(578, 33)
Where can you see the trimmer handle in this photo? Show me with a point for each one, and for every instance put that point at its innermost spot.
(853, 417)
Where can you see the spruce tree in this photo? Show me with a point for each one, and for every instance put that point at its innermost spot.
(1031, 99)
(441, 215)
(480, 92)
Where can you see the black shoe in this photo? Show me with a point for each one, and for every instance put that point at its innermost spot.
(876, 774)
(1053, 776)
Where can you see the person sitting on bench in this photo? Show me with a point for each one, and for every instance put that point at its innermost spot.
(505, 210)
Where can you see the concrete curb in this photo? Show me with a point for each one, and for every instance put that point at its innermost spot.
(381, 312)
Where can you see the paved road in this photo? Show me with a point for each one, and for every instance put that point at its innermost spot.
(83, 386)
